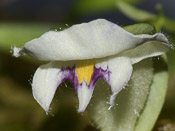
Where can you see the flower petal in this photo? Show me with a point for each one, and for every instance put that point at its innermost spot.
(96, 39)
(84, 95)
(116, 72)
(149, 49)
(45, 82)
(121, 70)
(129, 101)
(92, 73)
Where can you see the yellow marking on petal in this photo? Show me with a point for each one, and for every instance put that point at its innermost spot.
(88, 71)
(79, 71)
(84, 70)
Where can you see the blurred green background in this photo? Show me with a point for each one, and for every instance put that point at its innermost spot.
(23, 20)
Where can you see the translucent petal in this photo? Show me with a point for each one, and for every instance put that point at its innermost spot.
(84, 96)
(45, 82)
(121, 70)
(96, 39)
(84, 90)
(117, 73)
(149, 49)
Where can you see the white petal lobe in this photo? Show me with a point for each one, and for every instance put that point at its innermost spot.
(121, 70)
(45, 82)
(149, 49)
(84, 96)
(96, 39)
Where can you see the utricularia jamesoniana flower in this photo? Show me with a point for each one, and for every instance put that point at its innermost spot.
(86, 52)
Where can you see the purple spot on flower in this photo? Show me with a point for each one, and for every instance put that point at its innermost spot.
(70, 74)
(100, 73)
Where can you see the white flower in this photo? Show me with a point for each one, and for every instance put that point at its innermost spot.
(86, 52)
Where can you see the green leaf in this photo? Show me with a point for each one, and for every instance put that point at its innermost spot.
(171, 56)
(139, 104)
(134, 13)
(138, 28)
(169, 24)
(159, 21)
(154, 102)
(94, 6)
(130, 101)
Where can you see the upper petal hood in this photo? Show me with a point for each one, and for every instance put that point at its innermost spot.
(96, 39)
(149, 49)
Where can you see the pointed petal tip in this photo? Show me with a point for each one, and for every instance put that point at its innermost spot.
(45, 82)
(162, 38)
(84, 96)
(80, 110)
(43, 105)
(109, 108)
(16, 52)
(112, 100)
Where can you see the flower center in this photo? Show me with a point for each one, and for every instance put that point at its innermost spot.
(84, 70)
